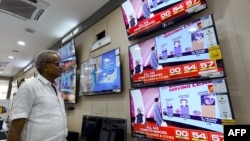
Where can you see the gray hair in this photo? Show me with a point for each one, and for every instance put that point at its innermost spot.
(42, 57)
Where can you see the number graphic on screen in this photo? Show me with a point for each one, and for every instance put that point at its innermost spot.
(196, 1)
(189, 68)
(215, 137)
(165, 15)
(207, 65)
(181, 133)
(189, 3)
(177, 8)
(174, 71)
(197, 135)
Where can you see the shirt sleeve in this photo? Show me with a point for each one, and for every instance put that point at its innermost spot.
(22, 103)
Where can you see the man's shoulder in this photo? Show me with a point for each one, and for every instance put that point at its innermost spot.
(29, 83)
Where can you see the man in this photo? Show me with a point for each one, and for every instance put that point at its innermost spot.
(140, 118)
(38, 109)
(154, 60)
(177, 47)
(184, 107)
(138, 67)
(132, 21)
(157, 112)
(145, 8)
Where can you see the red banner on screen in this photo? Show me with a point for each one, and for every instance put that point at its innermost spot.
(189, 70)
(176, 134)
(164, 16)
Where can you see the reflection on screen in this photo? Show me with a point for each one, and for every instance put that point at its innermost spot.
(96, 128)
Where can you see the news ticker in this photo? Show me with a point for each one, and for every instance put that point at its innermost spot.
(236, 132)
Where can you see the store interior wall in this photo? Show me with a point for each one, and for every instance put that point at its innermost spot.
(232, 23)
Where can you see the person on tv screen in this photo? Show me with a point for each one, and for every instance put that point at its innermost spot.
(198, 35)
(177, 47)
(138, 67)
(93, 76)
(38, 112)
(208, 99)
(154, 3)
(169, 108)
(132, 21)
(184, 107)
(154, 60)
(157, 112)
(197, 40)
(140, 118)
(164, 52)
(145, 8)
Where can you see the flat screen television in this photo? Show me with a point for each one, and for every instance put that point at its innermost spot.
(95, 128)
(188, 52)
(192, 111)
(67, 81)
(101, 74)
(142, 17)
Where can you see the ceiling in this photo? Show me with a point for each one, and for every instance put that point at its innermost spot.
(60, 17)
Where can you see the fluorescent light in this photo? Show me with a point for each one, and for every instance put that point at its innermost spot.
(11, 57)
(21, 43)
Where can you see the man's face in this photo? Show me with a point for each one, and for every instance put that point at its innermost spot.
(138, 111)
(176, 44)
(183, 102)
(209, 100)
(54, 67)
(136, 62)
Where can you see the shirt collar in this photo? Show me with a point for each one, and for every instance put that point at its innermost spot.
(43, 79)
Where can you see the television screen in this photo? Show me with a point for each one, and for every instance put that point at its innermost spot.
(67, 81)
(142, 17)
(194, 110)
(95, 128)
(101, 74)
(188, 52)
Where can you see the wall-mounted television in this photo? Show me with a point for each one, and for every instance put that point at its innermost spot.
(95, 128)
(101, 74)
(193, 110)
(188, 52)
(142, 17)
(67, 81)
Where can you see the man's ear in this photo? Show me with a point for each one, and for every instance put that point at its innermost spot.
(45, 67)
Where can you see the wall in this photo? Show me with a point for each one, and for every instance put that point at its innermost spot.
(231, 19)
(103, 105)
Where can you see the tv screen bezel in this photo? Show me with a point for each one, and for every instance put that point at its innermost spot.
(163, 18)
(219, 62)
(104, 92)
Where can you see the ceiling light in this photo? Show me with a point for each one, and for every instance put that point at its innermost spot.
(11, 57)
(21, 43)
